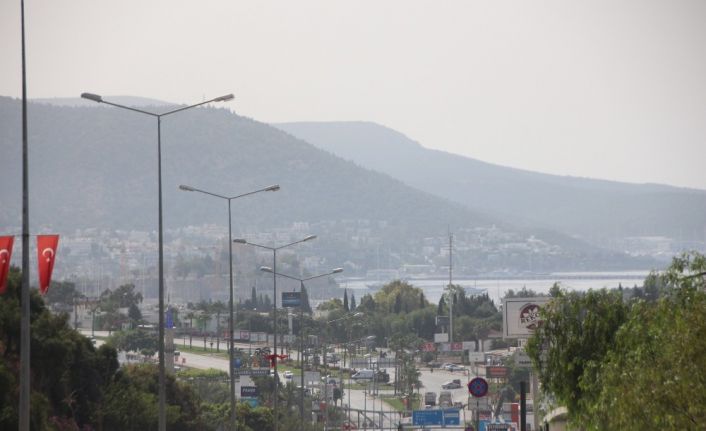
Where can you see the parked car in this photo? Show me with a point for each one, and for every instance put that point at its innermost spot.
(454, 367)
(363, 375)
(452, 384)
(288, 375)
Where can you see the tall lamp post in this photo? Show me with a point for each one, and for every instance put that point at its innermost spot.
(96, 98)
(328, 323)
(272, 188)
(274, 302)
(301, 321)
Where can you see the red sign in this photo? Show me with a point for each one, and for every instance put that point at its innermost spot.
(428, 347)
(456, 347)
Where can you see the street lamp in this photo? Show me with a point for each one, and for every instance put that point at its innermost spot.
(274, 302)
(272, 188)
(328, 323)
(99, 99)
(301, 322)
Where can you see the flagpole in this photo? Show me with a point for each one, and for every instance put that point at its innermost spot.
(24, 300)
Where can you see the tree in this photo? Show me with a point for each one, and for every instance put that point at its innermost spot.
(654, 377)
(346, 308)
(305, 300)
(353, 304)
(567, 349)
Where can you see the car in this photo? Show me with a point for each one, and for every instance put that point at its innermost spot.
(288, 375)
(453, 367)
(363, 375)
(452, 384)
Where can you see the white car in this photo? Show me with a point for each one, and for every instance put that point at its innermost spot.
(288, 375)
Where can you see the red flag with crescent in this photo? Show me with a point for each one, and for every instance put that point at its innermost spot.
(46, 253)
(5, 255)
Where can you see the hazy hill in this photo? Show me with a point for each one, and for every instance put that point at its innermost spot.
(597, 210)
(96, 167)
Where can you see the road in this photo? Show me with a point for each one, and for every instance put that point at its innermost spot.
(362, 403)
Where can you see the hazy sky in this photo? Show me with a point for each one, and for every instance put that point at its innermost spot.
(606, 89)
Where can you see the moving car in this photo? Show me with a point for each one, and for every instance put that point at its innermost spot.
(452, 384)
(454, 367)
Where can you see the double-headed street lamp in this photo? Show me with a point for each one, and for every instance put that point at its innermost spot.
(274, 302)
(272, 188)
(96, 98)
(301, 322)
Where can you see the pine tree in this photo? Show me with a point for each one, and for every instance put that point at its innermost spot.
(345, 301)
(253, 298)
(441, 309)
(305, 300)
(353, 304)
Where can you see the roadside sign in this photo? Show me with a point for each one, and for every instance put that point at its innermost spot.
(496, 372)
(478, 387)
(248, 391)
(427, 417)
(452, 417)
(255, 372)
(291, 299)
(383, 362)
(522, 360)
(476, 357)
(428, 347)
(521, 316)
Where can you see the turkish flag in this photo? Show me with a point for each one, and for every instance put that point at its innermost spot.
(5, 255)
(46, 253)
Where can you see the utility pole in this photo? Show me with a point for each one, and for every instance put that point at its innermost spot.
(451, 296)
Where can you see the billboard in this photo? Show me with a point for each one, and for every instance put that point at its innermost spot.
(521, 316)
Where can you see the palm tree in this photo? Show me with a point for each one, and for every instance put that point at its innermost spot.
(191, 315)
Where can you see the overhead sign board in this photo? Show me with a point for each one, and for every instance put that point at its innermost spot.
(521, 316)
(291, 299)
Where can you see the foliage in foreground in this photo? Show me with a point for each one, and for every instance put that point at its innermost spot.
(629, 366)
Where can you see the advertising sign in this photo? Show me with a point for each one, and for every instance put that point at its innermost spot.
(521, 316)
(291, 299)
(457, 347)
(428, 347)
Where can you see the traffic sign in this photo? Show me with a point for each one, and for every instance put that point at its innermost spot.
(452, 417)
(478, 387)
(427, 417)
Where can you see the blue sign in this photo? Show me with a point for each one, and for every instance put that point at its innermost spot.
(252, 401)
(248, 391)
(452, 417)
(291, 299)
(427, 417)
(170, 319)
